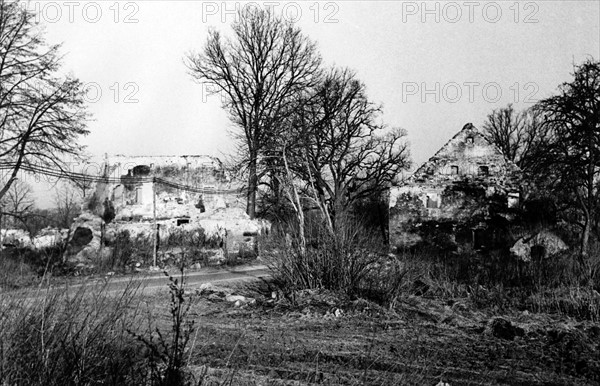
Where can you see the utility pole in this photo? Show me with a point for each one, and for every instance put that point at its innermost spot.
(155, 226)
(1, 212)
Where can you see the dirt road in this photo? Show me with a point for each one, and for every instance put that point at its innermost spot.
(159, 280)
(155, 281)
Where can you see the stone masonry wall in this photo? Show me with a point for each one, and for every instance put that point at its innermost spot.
(457, 184)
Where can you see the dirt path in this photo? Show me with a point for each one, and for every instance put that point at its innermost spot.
(154, 281)
(194, 279)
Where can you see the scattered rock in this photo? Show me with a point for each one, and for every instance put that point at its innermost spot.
(234, 298)
(239, 300)
(206, 287)
(212, 293)
(196, 266)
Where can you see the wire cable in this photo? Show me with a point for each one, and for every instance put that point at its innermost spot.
(89, 178)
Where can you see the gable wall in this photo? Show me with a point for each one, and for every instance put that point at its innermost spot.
(436, 192)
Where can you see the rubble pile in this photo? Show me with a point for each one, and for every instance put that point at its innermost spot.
(20, 238)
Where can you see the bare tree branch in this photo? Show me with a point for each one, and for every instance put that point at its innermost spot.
(574, 114)
(258, 74)
(41, 115)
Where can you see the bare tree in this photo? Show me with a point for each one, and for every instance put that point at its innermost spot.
(522, 137)
(83, 185)
(343, 153)
(41, 115)
(258, 73)
(575, 116)
(68, 205)
(288, 185)
(17, 204)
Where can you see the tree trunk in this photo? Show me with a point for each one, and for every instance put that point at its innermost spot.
(297, 204)
(583, 256)
(276, 186)
(383, 219)
(585, 238)
(252, 186)
(1, 227)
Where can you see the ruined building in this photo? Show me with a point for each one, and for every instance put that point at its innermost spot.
(134, 194)
(466, 185)
(160, 195)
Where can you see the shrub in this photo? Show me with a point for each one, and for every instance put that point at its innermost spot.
(489, 281)
(23, 266)
(166, 350)
(94, 204)
(109, 211)
(338, 262)
(15, 273)
(189, 245)
(122, 250)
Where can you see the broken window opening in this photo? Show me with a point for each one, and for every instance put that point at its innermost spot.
(479, 238)
(141, 170)
(454, 170)
(538, 252)
(432, 203)
(470, 140)
(484, 170)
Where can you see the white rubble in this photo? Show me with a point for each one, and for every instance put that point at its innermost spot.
(239, 300)
(20, 238)
(15, 237)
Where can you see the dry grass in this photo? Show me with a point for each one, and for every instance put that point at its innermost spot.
(347, 314)
(323, 337)
(305, 337)
(58, 337)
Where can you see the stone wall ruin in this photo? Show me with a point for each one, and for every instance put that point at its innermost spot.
(128, 200)
(465, 184)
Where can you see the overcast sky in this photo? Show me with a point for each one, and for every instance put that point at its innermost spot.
(433, 65)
